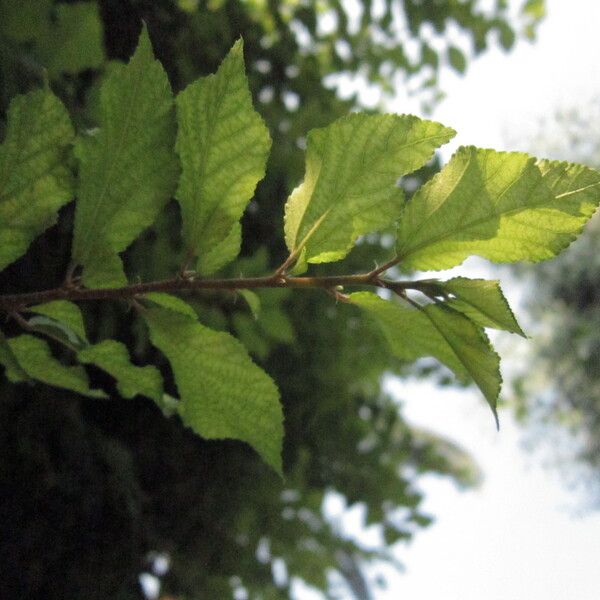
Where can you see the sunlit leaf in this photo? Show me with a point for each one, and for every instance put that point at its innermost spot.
(350, 186)
(223, 393)
(438, 331)
(223, 145)
(483, 302)
(499, 205)
(128, 168)
(34, 179)
(113, 357)
(35, 358)
(222, 253)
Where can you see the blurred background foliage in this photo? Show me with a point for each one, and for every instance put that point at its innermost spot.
(95, 493)
(558, 398)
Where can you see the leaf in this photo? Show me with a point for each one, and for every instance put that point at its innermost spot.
(65, 38)
(72, 42)
(57, 331)
(457, 59)
(223, 145)
(252, 300)
(507, 35)
(127, 168)
(113, 357)
(14, 373)
(34, 179)
(472, 347)
(172, 303)
(534, 9)
(66, 313)
(350, 185)
(498, 205)
(24, 20)
(483, 302)
(35, 358)
(437, 331)
(222, 253)
(223, 393)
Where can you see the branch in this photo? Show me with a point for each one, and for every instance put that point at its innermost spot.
(10, 303)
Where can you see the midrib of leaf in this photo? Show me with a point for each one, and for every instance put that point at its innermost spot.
(484, 311)
(312, 230)
(353, 180)
(543, 204)
(112, 163)
(587, 187)
(435, 210)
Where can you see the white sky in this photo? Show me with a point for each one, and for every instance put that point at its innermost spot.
(517, 537)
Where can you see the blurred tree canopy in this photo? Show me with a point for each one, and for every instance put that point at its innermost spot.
(560, 394)
(91, 489)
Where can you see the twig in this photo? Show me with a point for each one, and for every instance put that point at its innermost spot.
(11, 303)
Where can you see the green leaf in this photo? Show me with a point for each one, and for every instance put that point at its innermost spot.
(172, 303)
(223, 393)
(438, 331)
(535, 9)
(72, 42)
(113, 357)
(34, 179)
(483, 302)
(507, 36)
(14, 373)
(64, 38)
(499, 205)
(35, 358)
(24, 20)
(65, 313)
(127, 168)
(221, 253)
(457, 59)
(252, 300)
(472, 347)
(350, 187)
(223, 145)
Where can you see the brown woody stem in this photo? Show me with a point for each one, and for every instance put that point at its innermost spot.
(10, 303)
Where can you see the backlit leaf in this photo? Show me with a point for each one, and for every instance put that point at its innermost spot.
(350, 186)
(222, 253)
(437, 331)
(499, 205)
(127, 168)
(35, 358)
(34, 179)
(113, 357)
(483, 302)
(223, 393)
(223, 145)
